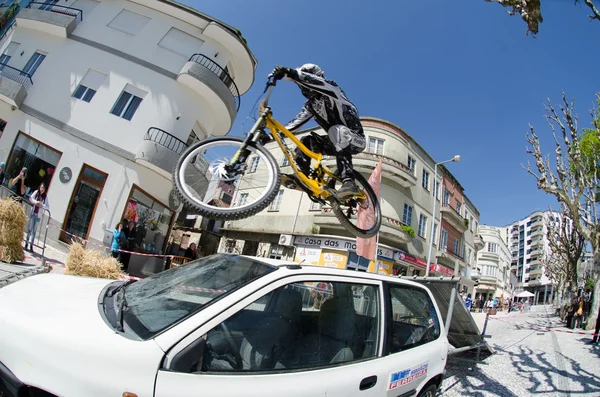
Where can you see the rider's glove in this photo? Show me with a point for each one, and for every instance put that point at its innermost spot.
(279, 72)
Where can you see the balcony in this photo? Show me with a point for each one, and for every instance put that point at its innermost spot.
(536, 270)
(454, 217)
(160, 151)
(479, 243)
(537, 232)
(490, 256)
(213, 83)
(391, 169)
(14, 84)
(55, 19)
(447, 257)
(390, 228)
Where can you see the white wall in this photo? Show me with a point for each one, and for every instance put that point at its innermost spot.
(122, 174)
(66, 63)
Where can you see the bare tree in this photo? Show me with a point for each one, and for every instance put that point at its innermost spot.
(555, 269)
(567, 246)
(573, 178)
(531, 12)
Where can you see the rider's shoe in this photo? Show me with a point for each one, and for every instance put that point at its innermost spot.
(348, 189)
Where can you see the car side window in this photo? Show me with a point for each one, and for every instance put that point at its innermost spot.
(414, 319)
(303, 325)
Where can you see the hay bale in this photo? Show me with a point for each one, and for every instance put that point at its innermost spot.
(91, 263)
(12, 226)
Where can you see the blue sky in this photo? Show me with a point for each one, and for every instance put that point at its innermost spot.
(461, 77)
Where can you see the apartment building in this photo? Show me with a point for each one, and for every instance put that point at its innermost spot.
(494, 262)
(294, 227)
(99, 98)
(528, 242)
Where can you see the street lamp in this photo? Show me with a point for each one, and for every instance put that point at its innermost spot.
(455, 159)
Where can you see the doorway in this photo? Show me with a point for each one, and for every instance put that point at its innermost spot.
(84, 201)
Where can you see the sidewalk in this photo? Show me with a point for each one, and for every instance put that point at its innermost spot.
(535, 355)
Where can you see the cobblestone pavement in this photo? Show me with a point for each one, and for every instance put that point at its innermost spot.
(528, 360)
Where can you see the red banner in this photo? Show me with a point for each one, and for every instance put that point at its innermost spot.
(367, 247)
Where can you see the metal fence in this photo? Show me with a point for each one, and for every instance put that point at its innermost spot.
(41, 233)
(221, 73)
(70, 11)
(165, 139)
(16, 75)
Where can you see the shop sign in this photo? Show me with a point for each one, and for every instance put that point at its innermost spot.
(335, 243)
(334, 259)
(401, 256)
(322, 242)
(310, 256)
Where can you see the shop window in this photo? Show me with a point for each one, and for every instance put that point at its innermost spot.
(356, 262)
(152, 220)
(39, 159)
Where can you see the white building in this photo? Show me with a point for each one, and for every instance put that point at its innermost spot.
(493, 262)
(98, 98)
(527, 240)
(294, 227)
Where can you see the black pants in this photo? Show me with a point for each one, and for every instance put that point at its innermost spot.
(595, 339)
(343, 156)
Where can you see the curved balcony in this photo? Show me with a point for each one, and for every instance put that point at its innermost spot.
(391, 169)
(160, 151)
(538, 232)
(214, 84)
(14, 84)
(479, 243)
(390, 227)
(454, 217)
(50, 18)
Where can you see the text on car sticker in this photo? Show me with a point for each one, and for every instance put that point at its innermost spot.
(405, 376)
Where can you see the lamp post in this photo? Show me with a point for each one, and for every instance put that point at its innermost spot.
(455, 159)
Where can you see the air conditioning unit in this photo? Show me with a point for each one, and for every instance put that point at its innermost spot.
(286, 239)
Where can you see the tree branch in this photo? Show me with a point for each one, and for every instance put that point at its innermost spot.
(595, 11)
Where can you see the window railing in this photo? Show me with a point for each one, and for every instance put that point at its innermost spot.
(73, 12)
(221, 73)
(165, 139)
(16, 75)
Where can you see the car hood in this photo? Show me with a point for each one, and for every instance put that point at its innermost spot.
(52, 329)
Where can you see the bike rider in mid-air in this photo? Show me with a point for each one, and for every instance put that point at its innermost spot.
(334, 112)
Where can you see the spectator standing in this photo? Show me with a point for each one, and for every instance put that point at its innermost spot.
(119, 241)
(39, 200)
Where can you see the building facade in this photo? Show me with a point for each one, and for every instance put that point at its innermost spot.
(528, 242)
(294, 227)
(493, 262)
(99, 98)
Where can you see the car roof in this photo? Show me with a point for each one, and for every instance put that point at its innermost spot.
(306, 268)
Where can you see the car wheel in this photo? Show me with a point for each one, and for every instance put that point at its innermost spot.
(429, 391)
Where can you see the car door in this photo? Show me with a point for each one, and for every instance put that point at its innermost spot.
(300, 336)
(417, 347)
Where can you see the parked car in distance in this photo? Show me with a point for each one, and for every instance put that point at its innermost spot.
(224, 325)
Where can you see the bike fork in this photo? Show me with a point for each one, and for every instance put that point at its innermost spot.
(253, 136)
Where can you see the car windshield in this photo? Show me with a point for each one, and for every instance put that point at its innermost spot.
(159, 302)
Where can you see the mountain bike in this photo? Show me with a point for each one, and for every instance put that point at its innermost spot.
(232, 178)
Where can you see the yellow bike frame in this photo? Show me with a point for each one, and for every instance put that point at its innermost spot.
(316, 186)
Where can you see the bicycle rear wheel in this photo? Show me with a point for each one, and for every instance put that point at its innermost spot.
(206, 185)
(360, 218)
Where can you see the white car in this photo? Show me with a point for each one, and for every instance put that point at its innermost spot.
(224, 325)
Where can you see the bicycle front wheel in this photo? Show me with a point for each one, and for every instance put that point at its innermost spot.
(206, 185)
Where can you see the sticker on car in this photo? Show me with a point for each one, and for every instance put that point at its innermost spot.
(409, 375)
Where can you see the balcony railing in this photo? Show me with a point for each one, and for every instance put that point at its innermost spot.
(16, 75)
(221, 73)
(447, 205)
(387, 160)
(7, 17)
(73, 12)
(165, 139)
(451, 252)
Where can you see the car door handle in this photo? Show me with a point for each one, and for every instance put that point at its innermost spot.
(368, 382)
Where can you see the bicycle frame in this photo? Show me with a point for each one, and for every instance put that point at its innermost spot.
(318, 186)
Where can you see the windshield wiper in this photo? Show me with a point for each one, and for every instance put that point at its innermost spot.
(122, 304)
(126, 283)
